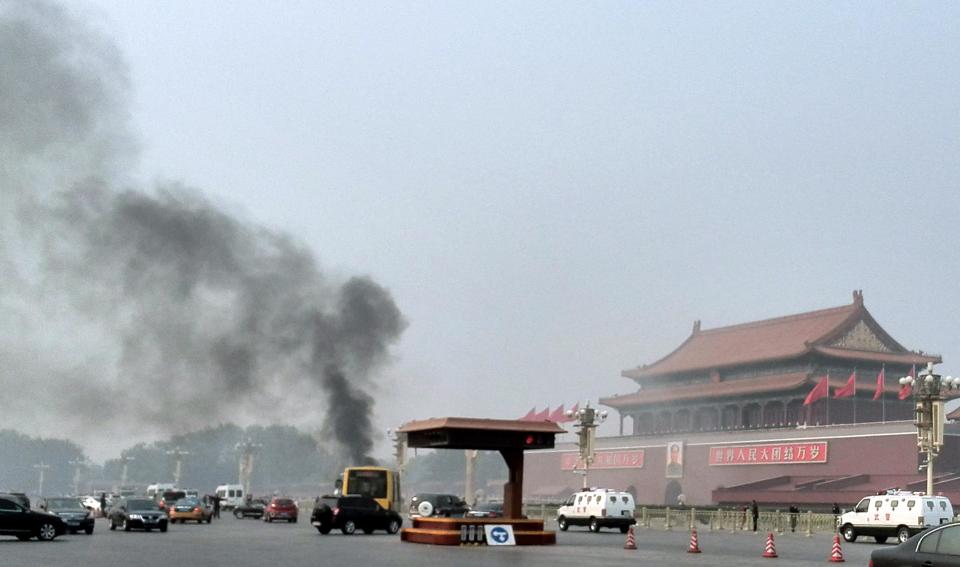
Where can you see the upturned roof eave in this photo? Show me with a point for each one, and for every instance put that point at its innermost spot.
(641, 375)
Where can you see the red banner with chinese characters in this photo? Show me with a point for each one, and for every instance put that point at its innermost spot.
(628, 459)
(770, 454)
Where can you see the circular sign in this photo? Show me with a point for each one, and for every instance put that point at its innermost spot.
(499, 535)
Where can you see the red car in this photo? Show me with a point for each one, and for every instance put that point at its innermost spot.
(281, 509)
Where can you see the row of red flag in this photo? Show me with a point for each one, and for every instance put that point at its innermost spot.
(556, 416)
(822, 389)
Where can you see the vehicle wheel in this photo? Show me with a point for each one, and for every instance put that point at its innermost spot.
(293, 520)
(324, 529)
(562, 523)
(880, 539)
(903, 534)
(348, 527)
(624, 529)
(113, 526)
(46, 532)
(163, 528)
(88, 531)
(849, 534)
(22, 537)
(125, 525)
(368, 531)
(425, 508)
(237, 514)
(594, 525)
(148, 529)
(393, 527)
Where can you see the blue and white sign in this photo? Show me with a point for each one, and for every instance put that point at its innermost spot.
(499, 534)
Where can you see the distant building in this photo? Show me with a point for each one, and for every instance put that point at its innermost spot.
(732, 398)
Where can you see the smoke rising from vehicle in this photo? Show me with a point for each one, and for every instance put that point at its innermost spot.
(153, 311)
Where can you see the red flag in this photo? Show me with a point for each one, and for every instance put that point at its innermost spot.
(557, 415)
(821, 390)
(879, 391)
(573, 413)
(542, 416)
(907, 389)
(849, 389)
(530, 414)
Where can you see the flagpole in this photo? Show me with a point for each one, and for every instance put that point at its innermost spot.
(854, 395)
(828, 399)
(883, 401)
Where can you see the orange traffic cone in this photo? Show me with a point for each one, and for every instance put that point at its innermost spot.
(836, 556)
(631, 543)
(770, 550)
(694, 544)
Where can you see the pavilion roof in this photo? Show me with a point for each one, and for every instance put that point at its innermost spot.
(781, 338)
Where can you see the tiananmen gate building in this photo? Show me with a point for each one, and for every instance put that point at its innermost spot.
(723, 420)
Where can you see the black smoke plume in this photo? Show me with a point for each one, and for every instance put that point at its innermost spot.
(153, 310)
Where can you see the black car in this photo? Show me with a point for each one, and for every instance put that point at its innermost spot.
(445, 505)
(350, 513)
(72, 512)
(18, 497)
(938, 546)
(140, 513)
(250, 509)
(15, 520)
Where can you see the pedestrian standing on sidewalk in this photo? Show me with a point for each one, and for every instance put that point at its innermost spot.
(755, 512)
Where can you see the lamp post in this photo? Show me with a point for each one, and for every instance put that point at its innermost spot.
(177, 454)
(928, 390)
(399, 441)
(246, 449)
(41, 467)
(125, 460)
(586, 420)
(77, 465)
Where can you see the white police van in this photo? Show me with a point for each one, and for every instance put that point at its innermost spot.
(597, 508)
(895, 513)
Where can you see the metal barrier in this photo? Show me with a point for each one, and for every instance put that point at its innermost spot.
(728, 520)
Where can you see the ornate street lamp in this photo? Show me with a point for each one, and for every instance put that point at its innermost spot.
(928, 390)
(78, 465)
(586, 420)
(246, 448)
(41, 468)
(178, 454)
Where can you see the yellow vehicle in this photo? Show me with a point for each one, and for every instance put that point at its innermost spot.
(189, 509)
(380, 483)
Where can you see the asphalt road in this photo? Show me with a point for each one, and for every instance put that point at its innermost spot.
(242, 543)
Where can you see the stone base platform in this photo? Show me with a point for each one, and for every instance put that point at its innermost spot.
(447, 531)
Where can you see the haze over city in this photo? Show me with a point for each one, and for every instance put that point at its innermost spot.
(498, 205)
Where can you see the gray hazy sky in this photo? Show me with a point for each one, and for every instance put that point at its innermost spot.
(553, 192)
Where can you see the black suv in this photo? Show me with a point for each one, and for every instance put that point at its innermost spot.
(350, 513)
(24, 523)
(445, 505)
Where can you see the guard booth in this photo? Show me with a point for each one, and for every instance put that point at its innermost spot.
(511, 438)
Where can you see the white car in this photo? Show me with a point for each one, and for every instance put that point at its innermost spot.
(895, 513)
(597, 508)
